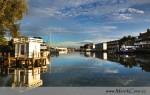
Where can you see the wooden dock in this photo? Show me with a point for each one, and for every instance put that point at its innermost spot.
(11, 63)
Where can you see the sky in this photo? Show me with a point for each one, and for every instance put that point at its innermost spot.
(73, 23)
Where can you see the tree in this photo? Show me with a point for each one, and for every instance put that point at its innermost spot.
(127, 40)
(13, 29)
(11, 12)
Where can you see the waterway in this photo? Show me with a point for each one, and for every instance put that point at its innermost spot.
(79, 69)
(98, 70)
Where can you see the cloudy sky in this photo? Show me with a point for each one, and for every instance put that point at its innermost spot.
(72, 23)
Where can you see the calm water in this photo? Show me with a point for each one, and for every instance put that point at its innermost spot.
(92, 69)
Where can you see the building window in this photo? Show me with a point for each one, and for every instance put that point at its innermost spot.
(22, 49)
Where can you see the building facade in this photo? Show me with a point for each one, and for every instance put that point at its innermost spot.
(88, 47)
(143, 40)
(101, 46)
(113, 46)
(25, 47)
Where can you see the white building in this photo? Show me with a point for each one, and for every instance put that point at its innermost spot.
(26, 47)
(101, 46)
(62, 50)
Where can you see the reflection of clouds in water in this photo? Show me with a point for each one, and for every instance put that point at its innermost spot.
(127, 82)
(100, 62)
(111, 70)
(71, 56)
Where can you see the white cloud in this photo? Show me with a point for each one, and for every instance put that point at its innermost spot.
(67, 44)
(123, 17)
(80, 7)
(147, 20)
(98, 7)
(42, 31)
(131, 10)
(109, 28)
(85, 42)
(72, 8)
(126, 14)
(95, 8)
(98, 29)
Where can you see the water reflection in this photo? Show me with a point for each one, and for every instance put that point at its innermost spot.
(96, 55)
(96, 69)
(127, 60)
(27, 78)
(83, 69)
(23, 77)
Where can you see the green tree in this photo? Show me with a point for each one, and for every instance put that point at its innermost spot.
(14, 30)
(127, 40)
(11, 12)
(3, 41)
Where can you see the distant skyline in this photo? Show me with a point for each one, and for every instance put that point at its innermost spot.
(73, 23)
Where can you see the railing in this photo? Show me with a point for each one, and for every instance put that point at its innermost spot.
(23, 40)
(140, 43)
(32, 54)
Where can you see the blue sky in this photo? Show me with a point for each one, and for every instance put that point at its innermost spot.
(73, 23)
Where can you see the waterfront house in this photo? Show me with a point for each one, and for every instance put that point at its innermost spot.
(43, 47)
(27, 47)
(143, 40)
(113, 46)
(62, 50)
(101, 46)
(88, 47)
(92, 47)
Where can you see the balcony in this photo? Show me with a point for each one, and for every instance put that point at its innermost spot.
(142, 43)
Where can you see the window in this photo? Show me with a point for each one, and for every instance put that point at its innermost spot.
(22, 49)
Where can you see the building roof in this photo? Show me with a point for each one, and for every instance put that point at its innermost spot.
(145, 35)
(27, 40)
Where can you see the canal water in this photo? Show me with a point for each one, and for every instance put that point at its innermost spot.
(79, 69)
(97, 70)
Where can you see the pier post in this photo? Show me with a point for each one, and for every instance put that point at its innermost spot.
(9, 59)
(45, 62)
(7, 70)
(24, 77)
(26, 63)
(29, 63)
